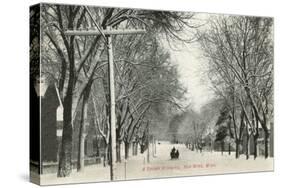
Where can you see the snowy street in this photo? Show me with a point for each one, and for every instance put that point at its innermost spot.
(189, 163)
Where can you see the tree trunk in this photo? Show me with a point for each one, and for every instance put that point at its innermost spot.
(256, 136)
(118, 151)
(136, 148)
(148, 152)
(81, 144)
(247, 146)
(266, 137)
(229, 149)
(105, 157)
(255, 146)
(65, 166)
(155, 147)
(109, 153)
(127, 148)
(81, 156)
(98, 149)
(152, 146)
(271, 140)
(222, 147)
(237, 150)
(133, 149)
(83, 121)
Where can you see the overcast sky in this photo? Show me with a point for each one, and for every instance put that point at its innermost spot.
(191, 67)
(191, 70)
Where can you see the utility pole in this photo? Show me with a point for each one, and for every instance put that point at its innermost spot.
(107, 35)
(112, 107)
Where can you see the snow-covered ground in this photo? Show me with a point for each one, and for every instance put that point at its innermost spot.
(189, 163)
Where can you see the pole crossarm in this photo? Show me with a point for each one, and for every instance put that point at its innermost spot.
(105, 32)
(98, 27)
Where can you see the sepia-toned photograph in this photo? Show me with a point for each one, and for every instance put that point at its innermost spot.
(128, 94)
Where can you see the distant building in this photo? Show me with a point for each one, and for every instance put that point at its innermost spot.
(49, 105)
(260, 140)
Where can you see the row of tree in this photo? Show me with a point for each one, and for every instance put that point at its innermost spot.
(239, 51)
(196, 129)
(145, 79)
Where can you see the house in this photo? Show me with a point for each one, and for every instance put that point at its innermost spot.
(260, 140)
(49, 104)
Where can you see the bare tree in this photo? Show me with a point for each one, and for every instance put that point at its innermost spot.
(80, 57)
(240, 51)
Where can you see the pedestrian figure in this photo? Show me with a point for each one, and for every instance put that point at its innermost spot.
(177, 154)
(173, 152)
(200, 147)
